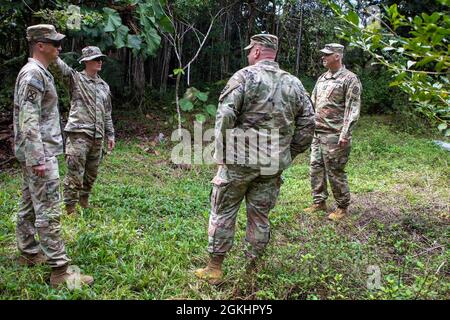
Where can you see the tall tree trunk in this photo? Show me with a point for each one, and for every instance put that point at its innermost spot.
(138, 74)
(274, 18)
(299, 41)
(222, 43)
(250, 21)
(165, 67)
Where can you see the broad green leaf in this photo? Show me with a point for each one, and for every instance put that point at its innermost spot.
(114, 21)
(202, 96)
(417, 21)
(435, 17)
(157, 9)
(442, 126)
(134, 41)
(121, 37)
(393, 10)
(211, 109)
(166, 24)
(178, 71)
(152, 39)
(186, 105)
(335, 7)
(353, 17)
(200, 117)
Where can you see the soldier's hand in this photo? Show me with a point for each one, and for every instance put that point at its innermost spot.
(343, 142)
(111, 144)
(39, 170)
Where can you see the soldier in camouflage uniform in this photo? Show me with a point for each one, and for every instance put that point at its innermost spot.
(37, 143)
(257, 101)
(88, 124)
(337, 102)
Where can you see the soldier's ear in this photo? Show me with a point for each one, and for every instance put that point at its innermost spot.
(257, 52)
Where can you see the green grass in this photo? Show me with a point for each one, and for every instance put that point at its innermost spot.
(146, 232)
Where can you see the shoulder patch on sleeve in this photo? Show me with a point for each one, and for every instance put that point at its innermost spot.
(31, 94)
(36, 83)
(232, 84)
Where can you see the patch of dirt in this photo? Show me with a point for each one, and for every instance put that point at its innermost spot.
(146, 127)
(395, 216)
(391, 208)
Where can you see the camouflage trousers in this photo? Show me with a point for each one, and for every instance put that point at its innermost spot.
(39, 212)
(83, 156)
(260, 192)
(328, 161)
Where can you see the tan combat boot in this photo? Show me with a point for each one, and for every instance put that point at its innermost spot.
(32, 259)
(84, 201)
(70, 208)
(338, 214)
(213, 271)
(322, 206)
(60, 275)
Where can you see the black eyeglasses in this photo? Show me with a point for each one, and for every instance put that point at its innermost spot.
(98, 59)
(54, 43)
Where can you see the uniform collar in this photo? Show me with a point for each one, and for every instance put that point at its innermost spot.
(268, 63)
(330, 75)
(96, 79)
(40, 65)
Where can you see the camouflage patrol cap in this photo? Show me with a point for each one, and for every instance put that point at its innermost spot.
(266, 40)
(333, 48)
(90, 53)
(43, 32)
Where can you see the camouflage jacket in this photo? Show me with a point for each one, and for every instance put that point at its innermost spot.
(37, 130)
(90, 105)
(337, 101)
(256, 100)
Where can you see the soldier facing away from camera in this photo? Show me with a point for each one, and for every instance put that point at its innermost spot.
(89, 124)
(337, 102)
(259, 99)
(37, 143)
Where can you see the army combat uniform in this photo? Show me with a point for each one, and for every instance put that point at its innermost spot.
(88, 123)
(337, 102)
(259, 99)
(38, 141)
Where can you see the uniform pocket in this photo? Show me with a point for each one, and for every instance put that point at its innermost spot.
(338, 156)
(217, 194)
(336, 93)
(220, 183)
(52, 191)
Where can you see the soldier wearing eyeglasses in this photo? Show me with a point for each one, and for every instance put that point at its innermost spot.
(37, 143)
(89, 124)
